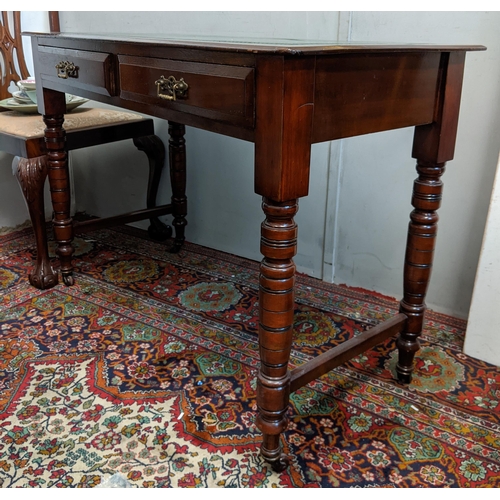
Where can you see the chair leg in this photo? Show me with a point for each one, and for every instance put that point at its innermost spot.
(31, 174)
(155, 151)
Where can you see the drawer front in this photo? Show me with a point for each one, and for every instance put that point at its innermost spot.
(80, 69)
(215, 91)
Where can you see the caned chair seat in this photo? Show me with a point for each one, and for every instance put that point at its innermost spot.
(31, 126)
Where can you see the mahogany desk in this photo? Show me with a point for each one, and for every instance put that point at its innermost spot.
(283, 96)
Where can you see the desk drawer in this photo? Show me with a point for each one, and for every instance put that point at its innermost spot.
(216, 91)
(81, 69)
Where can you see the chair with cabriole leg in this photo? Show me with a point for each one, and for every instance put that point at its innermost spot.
(22, 135)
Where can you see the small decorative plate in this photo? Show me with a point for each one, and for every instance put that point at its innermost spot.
(21, 97)
(28, 84)
(72, 102)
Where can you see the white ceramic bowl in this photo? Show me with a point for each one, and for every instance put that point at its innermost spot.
(28, 84)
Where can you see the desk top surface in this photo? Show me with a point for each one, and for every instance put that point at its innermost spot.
(258, 45)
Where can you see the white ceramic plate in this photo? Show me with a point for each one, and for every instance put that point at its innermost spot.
(21, 98)
(11, 104)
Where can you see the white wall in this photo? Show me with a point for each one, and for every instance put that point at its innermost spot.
(482, 339)
(224, 212)
(378, 171)
(352, 227)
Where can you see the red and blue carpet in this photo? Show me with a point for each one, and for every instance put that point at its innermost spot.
(146, 368)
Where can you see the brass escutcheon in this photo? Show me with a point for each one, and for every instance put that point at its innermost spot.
(66, 69)
(173, 88)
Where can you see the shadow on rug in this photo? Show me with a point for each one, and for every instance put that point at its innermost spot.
(146, 367)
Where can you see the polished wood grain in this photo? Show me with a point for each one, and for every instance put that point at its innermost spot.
(392, 91)
(177, 161)
(12, 64)
(433, 146)
(154, 149)
(338, 355)
(285, 94)
(95, 72)
(284, 97)
(31, 174)
(57, 158)
(278, 244)
(54, 21)
(216, 91)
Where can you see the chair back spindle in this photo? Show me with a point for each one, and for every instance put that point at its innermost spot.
(54, 21)
(12, 63)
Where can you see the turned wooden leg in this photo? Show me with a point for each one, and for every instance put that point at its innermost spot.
(55, 137)
(433, 146)
(177, 159)
(276, 307)
(154, 148)
(31, 174)
(418, 261)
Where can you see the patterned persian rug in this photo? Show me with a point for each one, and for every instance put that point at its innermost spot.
(146, 368)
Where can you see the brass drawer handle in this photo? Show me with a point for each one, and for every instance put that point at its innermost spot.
(171, 87)
(66, 69)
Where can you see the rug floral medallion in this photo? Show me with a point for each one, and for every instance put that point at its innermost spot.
(147, 366)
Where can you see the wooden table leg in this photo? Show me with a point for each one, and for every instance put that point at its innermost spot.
(31, 174)
(433, 146)
(418, 261)
(282, 159)
(276, 305)
(177, 160)
(55, 138)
